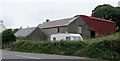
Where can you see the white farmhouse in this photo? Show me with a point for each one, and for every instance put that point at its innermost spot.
(2, 27)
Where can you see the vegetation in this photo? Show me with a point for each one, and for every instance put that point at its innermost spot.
(106, 47)
(49, 47)
(108, 12)
(7, 37)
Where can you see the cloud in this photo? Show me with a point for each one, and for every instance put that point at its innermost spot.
(25, 13)
(59, 1)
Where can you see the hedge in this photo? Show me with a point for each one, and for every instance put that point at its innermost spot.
(106, 47)
(103, 48)
(48, 47)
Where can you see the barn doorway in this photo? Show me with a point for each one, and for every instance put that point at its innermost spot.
(92, 34)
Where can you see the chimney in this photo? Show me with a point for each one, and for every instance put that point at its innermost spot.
(27, 26)
(1, 21)
(20, 27)
(39, 24)
(47, 20)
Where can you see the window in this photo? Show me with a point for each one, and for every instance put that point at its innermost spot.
(75, 38)
(92, 34)
(80, 29)
(81, 34)
(67, 38)
(54, 38)
(58, 29)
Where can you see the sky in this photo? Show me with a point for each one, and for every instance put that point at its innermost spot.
(17, 13)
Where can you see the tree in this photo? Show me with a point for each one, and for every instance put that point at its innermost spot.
(8, 36)
(107, 12)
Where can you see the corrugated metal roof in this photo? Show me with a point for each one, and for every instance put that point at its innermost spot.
(97, 19)
(24, 32)
(56, 23)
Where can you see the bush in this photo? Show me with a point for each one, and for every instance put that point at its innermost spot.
(8, 36)
(106, 49)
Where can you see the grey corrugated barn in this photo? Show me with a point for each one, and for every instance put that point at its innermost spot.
(68, 25)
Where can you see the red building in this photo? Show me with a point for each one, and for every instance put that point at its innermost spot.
(99, 26)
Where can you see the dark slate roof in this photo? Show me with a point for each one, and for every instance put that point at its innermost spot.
(15, 30)
(57, 23)
(24, 32)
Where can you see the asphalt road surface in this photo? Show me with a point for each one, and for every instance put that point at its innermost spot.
(23, 55)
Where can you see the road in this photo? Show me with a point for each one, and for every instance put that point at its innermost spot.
(23, 55)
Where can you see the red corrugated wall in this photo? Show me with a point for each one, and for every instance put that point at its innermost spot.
(100, 26)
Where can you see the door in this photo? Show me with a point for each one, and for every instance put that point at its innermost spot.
(92, 34)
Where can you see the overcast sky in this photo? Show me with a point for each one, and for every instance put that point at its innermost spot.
(17, 13)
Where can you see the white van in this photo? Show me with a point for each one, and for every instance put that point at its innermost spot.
(66, 36)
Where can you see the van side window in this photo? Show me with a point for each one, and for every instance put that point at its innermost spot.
(74, 38)
(67, 38)
(54, 38)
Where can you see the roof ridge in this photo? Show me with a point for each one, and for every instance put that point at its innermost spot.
(59, 20)
(98, 19)
(29, 28)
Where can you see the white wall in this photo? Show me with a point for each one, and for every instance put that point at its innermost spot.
(2, 27)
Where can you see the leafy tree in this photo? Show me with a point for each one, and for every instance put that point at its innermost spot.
(108, 12)
(8, 36)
